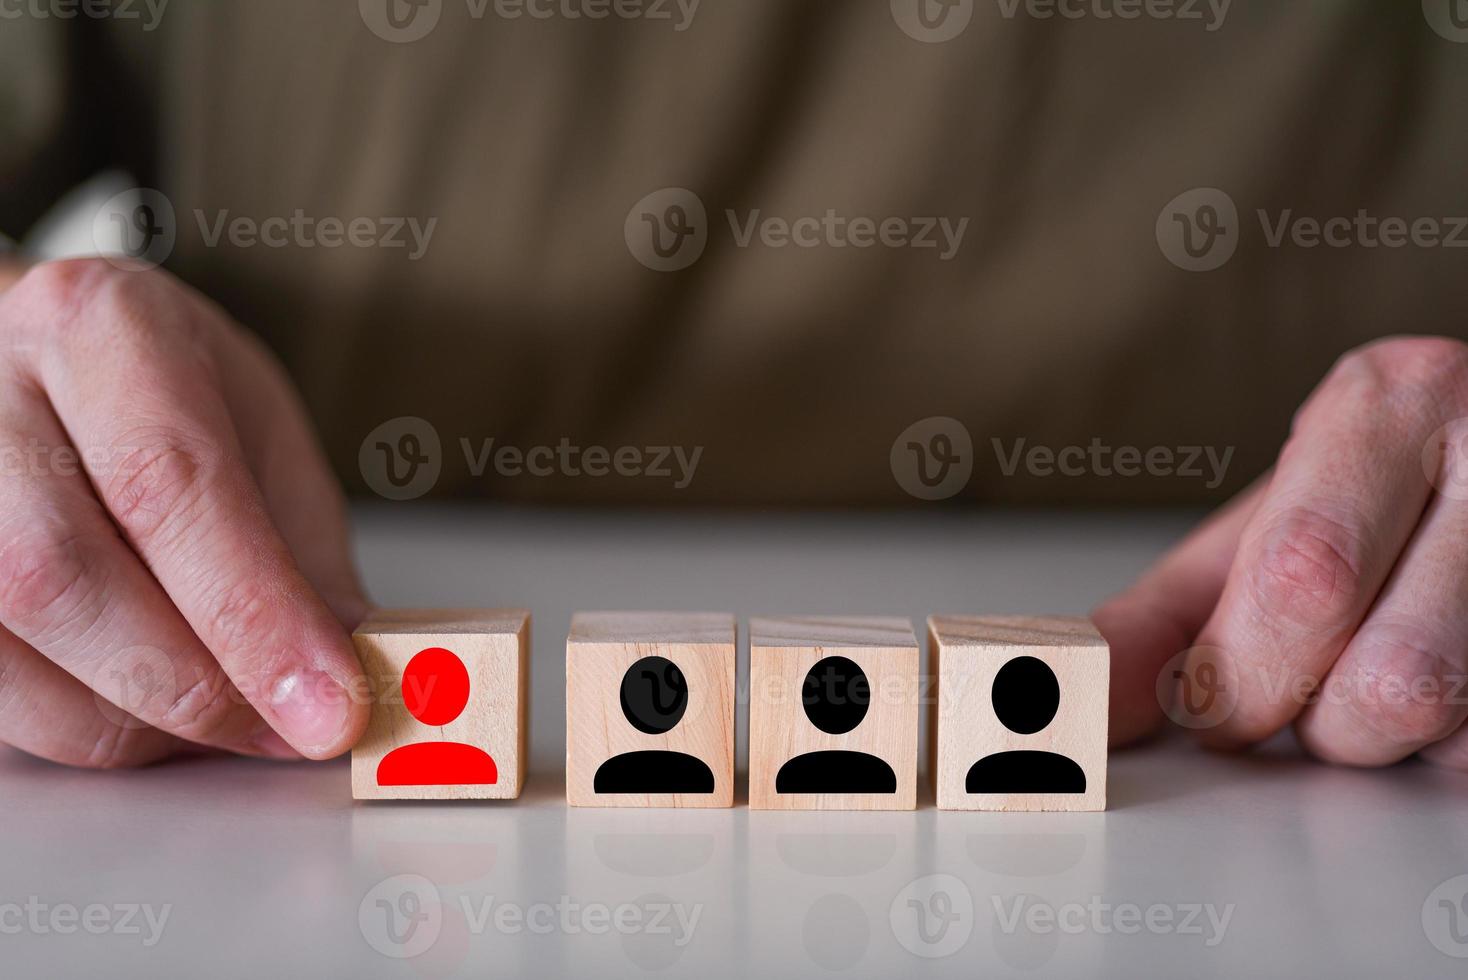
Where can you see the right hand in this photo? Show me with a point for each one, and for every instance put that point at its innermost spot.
(175, 568)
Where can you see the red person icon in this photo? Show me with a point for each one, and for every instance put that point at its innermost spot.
(435, 691)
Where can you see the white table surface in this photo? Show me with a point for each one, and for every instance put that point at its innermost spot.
(269, 869)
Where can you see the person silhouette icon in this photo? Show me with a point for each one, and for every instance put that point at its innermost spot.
(1026, 697)
(835, 695)
(435, 692)
(654, 697)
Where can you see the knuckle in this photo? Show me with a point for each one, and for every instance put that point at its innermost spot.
(158, 483)
(44, 576)
(1403, 695)
(116, 747)
(64, 286)
(1407, 375)
(199, 712)
(243, 612)
(1307, 570)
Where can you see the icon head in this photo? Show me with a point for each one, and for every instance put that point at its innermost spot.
(836, 695)
(654, 695)
(435, 686)
(1025, 695)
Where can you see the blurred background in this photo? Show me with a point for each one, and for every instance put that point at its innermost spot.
(769, 252)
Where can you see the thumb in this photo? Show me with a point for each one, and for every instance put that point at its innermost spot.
(1162, 612)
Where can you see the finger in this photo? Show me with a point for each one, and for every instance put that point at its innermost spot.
(73, 590)
(48, 713)
(301, 493)
(1397, 686)
(1347, 492)
(135, 381)
(1159, 616)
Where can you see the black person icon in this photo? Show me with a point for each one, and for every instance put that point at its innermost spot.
(1026, 697)
(654, 696)
(836, 696)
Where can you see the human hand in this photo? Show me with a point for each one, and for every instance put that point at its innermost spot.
(1330, 595)
(174, 560)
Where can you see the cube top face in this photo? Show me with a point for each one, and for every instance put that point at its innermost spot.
(440, 622)
(450, 699)
(1011, 631)
(833, 713)
(1021, 720)
(650, 710)
(831, 631)
(652, 627)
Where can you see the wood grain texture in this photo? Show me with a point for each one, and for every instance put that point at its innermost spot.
(599, 650)
(966, 653)
(494, 646)
(782, 651)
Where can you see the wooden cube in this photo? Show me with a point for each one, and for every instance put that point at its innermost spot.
(450, 704)
(650, 709)
(833, 713)
(1021, 714)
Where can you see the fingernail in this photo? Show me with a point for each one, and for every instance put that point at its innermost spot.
(311, 708)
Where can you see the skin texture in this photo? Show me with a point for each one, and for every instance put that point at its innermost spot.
(174, 561)
(183, 579)
(1329, 596)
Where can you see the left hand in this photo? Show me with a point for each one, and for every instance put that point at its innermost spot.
(1333, 594)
